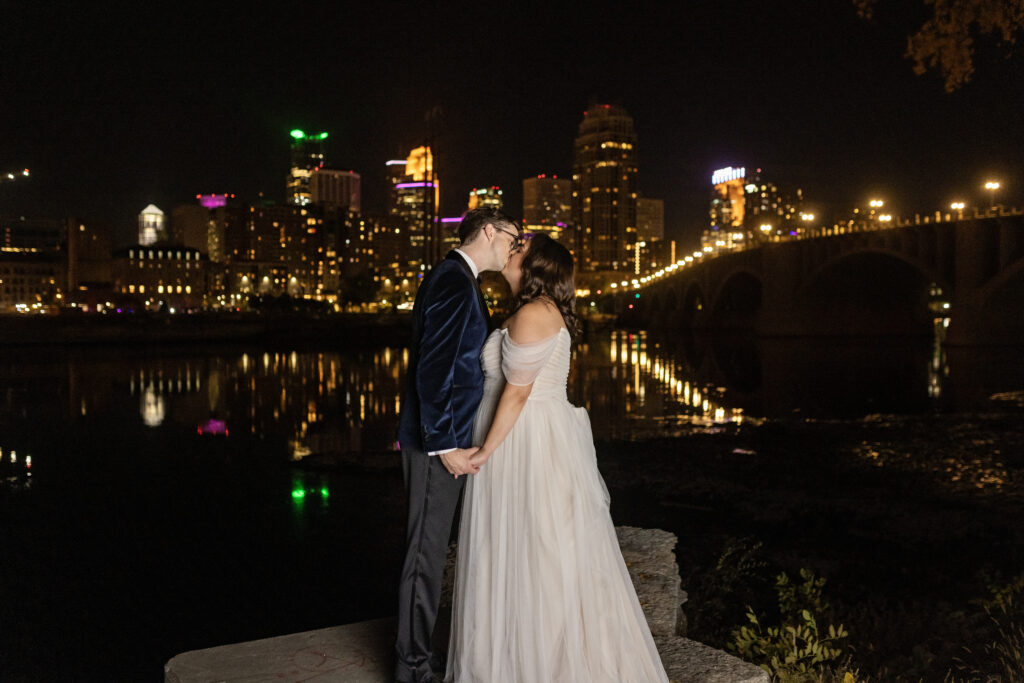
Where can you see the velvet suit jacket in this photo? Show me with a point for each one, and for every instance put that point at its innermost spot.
(444, 382)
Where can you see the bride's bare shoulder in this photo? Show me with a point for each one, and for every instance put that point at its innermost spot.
(534, 322)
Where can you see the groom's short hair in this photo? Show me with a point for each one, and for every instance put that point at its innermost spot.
(474, 221)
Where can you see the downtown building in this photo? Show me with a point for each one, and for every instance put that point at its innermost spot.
(547, 207)
(307, 156)
(748, 209)
(414, 199)
(485, 197)
(336, 190)
(605, 190)
(45, 263)
(652, 250)
(159, 276)
(33, 269)
(273, 250)
(152, 226)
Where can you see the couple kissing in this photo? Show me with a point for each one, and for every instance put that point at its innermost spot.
(541, 592)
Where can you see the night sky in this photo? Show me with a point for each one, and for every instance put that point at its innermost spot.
(116, 106)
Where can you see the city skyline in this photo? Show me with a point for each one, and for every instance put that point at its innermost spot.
(110, 121)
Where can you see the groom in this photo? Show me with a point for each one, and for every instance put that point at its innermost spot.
(444, 384)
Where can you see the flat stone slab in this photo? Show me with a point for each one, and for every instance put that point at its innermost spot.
(687, 661)
(356, 653)
(363, 652)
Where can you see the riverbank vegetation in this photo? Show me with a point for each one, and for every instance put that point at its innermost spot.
(913, 523)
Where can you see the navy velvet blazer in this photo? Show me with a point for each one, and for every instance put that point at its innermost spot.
(444, 381)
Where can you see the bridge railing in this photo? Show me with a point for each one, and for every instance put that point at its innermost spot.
(848, 228)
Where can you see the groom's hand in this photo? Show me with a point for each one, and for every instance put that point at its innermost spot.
(457, 461)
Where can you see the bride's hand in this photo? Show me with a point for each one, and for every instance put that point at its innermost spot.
(479, 458)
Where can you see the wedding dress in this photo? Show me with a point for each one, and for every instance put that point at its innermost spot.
(542, 594)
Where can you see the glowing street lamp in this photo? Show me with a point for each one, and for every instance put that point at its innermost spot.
(885, 217)
(876, 203)
(807, 217)
(766, 228)
(957, 206)
(992, 186)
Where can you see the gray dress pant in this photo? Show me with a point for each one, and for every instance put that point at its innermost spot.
(433, 498)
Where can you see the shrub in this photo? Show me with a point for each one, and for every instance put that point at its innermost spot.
(796, 650)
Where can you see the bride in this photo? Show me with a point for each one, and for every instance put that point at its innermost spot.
(542, 593)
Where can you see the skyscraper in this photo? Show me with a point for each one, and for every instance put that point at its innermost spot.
(307, 155)
(334, 189)
(650, 219)
(605, 188)
(415, 195)
(747, 209)
(547, 207)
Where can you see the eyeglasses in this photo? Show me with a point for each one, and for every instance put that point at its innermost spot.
(517, 238)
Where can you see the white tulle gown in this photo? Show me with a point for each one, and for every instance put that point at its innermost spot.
(542, 594)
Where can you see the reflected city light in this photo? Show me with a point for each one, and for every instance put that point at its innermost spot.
(153, 408)
(647, 374)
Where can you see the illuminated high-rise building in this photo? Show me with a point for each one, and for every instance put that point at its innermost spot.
(275, 250)
(747, 209)
(485, 196)
(336, 189)
(605, 188)
(395, 176)
(650, 219)
(307, 155)
(152, 225)
(415, 197)
(547, 207)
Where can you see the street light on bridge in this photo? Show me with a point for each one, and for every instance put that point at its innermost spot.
(876, 203)
(992, 186)
(959, 208)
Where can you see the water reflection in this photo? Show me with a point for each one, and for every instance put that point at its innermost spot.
(634, 384)
(15, 468)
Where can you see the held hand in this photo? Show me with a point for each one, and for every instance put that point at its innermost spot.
(480, 458)
(458, 461)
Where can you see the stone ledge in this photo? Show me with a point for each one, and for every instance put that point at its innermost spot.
(363, 652)
(356, 653)
(687, 661)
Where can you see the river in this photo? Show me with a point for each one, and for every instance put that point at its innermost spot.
(167, 498)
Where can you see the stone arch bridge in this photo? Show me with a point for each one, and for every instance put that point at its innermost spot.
(890, 281)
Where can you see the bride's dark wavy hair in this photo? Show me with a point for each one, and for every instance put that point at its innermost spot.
(548, 272)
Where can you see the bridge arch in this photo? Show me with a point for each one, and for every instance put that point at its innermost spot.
(738, 300)
(870, 290)
(693, 313)
(913, 263)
